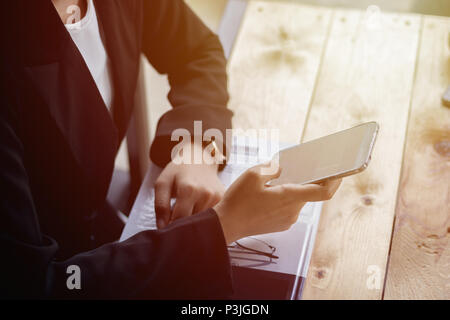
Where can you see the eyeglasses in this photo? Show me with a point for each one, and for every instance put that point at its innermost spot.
(252, 246)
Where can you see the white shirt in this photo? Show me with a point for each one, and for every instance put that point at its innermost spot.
(86, 35)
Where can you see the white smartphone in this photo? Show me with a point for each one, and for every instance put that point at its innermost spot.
(334, 156)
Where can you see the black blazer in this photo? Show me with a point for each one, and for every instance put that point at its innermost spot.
(58, 143)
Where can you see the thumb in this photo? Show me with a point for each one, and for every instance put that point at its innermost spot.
(269, 170)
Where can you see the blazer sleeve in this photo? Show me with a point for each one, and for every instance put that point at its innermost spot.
(178, 44)
(188, 259)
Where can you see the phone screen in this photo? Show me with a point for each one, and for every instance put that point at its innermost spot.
(338, 154)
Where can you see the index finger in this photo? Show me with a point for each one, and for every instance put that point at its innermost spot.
(162, 203)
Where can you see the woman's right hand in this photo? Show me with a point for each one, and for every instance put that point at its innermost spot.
(249, 207)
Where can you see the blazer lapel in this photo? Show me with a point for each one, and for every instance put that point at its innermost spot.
(62, 79)
(119, 23)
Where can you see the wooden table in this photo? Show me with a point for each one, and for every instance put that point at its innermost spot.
(310, 71)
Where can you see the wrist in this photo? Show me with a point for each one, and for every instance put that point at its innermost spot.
(194, 153)
(228, 227)
(207, 158)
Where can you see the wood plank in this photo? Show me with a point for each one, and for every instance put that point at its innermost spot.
(274, 65)
(231, 24)
(419, 265)
(209, 11)
(367, 74)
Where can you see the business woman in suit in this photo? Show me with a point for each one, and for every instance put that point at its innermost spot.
(69, 70)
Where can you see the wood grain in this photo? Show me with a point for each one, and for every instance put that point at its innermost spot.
(419, 265)
(274, 66)
(367, 74)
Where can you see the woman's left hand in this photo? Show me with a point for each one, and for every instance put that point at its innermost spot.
(196, 187)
